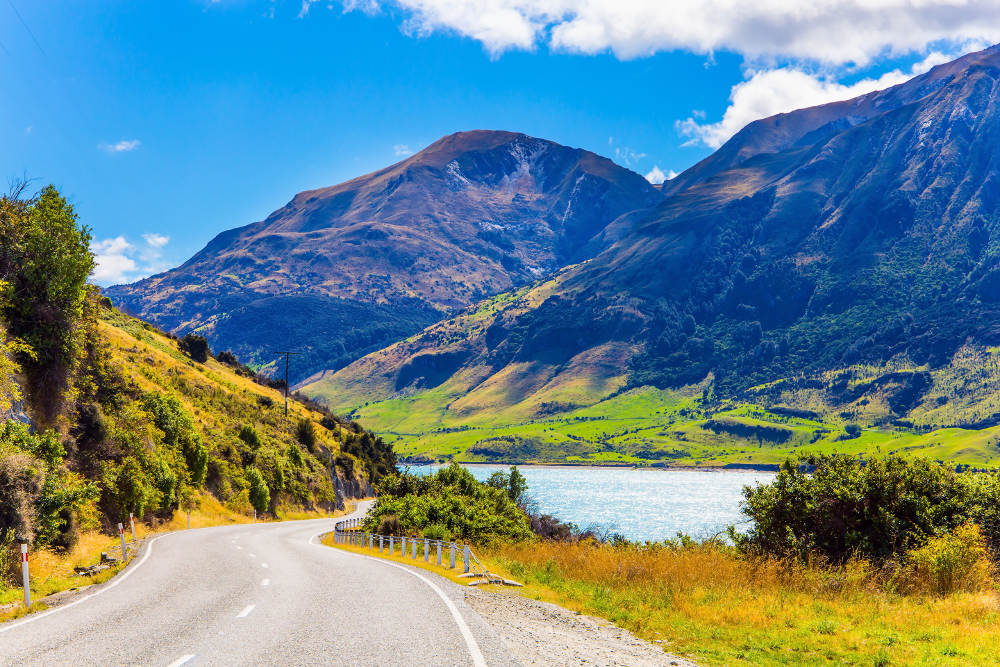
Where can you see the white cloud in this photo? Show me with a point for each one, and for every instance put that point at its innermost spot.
(118, 261)
(769, 92)
(627, 157)
(156, 240)
(401, 150)
(123, 146)
(656, 175)
(112, 261)
(827, 31)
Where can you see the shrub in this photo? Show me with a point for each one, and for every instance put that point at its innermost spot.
(877, 509)
(196, 347)
(260, 495)
(249, 435)
(305, 433)
(956, 561)
(228, 358)
(450, 500)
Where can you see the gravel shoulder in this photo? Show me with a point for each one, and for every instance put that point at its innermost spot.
(540, 633)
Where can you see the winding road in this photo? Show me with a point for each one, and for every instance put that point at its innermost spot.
(259, 594)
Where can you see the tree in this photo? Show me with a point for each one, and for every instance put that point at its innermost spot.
(45, 259)
(305, 432)
(196, 347)
(517, 486)
(260, 495)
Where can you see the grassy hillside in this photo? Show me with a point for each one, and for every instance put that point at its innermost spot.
(423, 396)
(102, 415)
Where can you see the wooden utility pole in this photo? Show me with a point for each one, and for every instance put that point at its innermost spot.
(287, 355)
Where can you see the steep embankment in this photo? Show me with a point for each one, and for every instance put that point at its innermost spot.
(345, 270)
(833, 265)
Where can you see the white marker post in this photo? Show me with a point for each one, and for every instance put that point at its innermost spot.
(452, 566)
(24, 574)
(189, 518)
(131, 520)
(255, 515)
(414, 541)
(439, 551)
(380, 538)
(121, 534)
(466, 558)
(427, 549)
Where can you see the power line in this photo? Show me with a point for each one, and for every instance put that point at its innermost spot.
(21, 19)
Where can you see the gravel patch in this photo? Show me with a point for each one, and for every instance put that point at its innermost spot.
(540, 633)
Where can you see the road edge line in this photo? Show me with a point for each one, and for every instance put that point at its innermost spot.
(119, 578)
(470, 641)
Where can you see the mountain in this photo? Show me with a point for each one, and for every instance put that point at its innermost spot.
(342, 271)
(842, 259)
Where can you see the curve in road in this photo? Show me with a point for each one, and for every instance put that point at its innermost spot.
(258, 594)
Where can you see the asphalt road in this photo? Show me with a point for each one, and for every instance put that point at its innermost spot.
(264, 594)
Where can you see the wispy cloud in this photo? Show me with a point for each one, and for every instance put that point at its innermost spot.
(117, 261)
(401, 150)
(123, 146)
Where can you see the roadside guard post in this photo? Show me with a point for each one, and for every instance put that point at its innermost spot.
(452, 566)
(427, 549)
(466, 558)
(439, 551)
(121, 534)
(24, 574)
(414, 541)
(380, 544)
(131, 521)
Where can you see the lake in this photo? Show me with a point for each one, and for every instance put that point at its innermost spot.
(639, 503)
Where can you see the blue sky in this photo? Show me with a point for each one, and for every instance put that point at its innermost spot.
(168, 122)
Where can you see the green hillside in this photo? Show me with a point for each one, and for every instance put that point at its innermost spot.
(101, 414)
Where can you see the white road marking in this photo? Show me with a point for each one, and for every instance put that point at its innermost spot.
(266, 582)
(246, 612)
(253, 555)
(239, 547)
(122, 576)
(264, 565)
(477, 655)
(182, 660)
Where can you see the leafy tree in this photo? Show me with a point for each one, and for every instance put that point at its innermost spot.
(45, 258)
(260, 495)
(196, 347)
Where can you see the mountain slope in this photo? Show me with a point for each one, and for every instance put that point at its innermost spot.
(852, 258)
(342, 271)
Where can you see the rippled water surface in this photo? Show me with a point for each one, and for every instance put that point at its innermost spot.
(641, 504)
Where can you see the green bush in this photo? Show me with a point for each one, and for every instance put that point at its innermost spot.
(956, 561)
(878, 509)
(450, 501)
(260, 495)
(305, 432)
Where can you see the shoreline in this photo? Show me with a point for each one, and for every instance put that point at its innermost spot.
(729, 467)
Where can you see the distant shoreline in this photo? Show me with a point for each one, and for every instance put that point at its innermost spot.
(729, 467)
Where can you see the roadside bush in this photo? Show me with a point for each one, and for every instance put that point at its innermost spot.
(953, 562)
(450, 500)
(879, 509)
(260, 495)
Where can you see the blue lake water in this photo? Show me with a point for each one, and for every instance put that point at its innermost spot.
(641, 504)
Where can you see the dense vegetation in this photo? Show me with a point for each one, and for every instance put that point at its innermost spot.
(103, 415)
(451, 504)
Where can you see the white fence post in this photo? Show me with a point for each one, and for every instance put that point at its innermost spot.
(189, 518)
(121, 534)
(255, 515)
(439, 551)
(466, 558)
(414, 541)
(452, 566)
(380, 538)
(427, 549)
(392, 542)
(24, 574)
(131, 521)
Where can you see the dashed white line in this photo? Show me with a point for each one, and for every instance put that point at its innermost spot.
(239, 547)
(264, 565)
(182, 660)
(246, 612)
(253, 555)
(266, 582)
